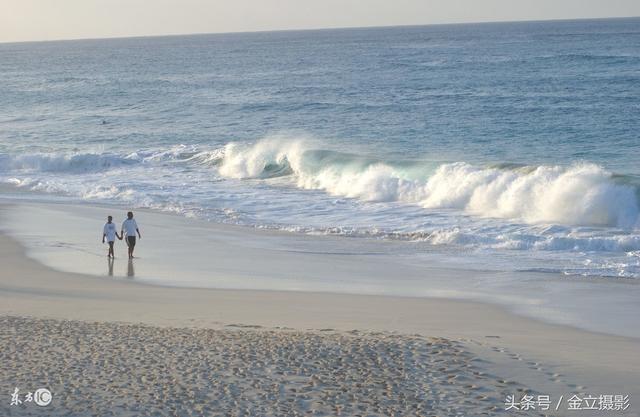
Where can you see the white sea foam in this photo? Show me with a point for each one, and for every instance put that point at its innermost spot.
(262, 159)
(578, 218)
(580, 194)
(65, 162)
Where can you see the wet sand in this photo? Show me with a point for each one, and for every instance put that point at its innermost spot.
(112, 346)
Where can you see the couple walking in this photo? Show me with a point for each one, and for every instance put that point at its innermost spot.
(128, 230)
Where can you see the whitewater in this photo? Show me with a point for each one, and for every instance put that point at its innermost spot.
(581, 214)
(500, 147)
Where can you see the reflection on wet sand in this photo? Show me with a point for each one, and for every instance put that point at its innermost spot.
(131, 272)
(130, 269)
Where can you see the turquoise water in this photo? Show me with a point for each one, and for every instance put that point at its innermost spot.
(510, 146)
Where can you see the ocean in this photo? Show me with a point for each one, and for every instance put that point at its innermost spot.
(502, 146)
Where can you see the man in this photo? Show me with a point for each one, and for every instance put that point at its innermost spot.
(129, 229)
(110, 233)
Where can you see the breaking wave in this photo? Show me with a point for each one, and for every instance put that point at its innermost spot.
(578, 218)
(581, 194)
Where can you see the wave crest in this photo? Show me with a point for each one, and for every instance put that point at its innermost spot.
(581, 194)
(73, 163)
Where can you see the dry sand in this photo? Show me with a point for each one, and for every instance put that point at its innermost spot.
(114, 369)
(114, 347)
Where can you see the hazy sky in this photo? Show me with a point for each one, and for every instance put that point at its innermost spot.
(22, 20)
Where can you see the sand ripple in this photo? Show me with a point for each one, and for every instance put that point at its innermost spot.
(108, 369)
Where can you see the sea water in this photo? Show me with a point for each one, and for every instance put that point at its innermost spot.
(506, 146)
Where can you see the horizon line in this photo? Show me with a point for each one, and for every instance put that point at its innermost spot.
(481, 22)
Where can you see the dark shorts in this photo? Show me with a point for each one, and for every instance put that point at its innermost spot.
(131, 241)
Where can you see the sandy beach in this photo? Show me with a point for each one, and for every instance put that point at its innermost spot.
(116, 346)
(115, 369)
(332, 209)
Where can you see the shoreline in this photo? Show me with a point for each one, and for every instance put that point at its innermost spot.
(178, 252)
(541, 357)
(378, 222)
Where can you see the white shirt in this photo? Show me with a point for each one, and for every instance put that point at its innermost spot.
(129, 226)
(110, 231)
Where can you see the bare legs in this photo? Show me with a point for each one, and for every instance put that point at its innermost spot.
(131, 244)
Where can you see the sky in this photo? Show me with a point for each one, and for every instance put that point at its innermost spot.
(31, 20)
